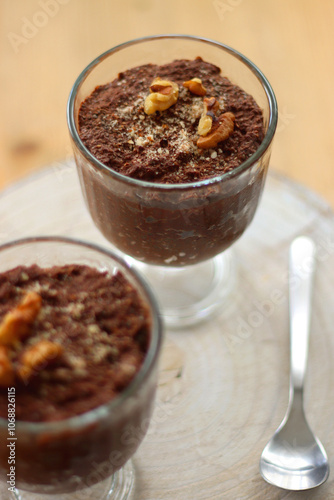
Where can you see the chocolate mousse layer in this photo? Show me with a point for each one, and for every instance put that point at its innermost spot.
(71, 339)
(171, 126)
(162, 146)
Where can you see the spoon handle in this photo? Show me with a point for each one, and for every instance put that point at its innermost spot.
(302, 265)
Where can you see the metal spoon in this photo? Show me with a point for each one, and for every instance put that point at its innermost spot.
(294, 458)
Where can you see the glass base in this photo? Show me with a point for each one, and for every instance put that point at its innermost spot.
(188, 295)
(118, 487)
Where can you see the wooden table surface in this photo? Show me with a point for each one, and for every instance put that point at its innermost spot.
(46, 43)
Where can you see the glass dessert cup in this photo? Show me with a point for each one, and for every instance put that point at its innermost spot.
(178, 235)
(84, 457)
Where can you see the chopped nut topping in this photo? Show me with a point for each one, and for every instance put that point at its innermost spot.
(17, 323)
(163, 94)
(205, 125)
(210, 107)
(37, 357)
(164, 88)
(7, 375)
(220, 132)
(195, 86)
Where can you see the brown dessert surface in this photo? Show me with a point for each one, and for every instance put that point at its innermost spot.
(99, 329)
(162, 147)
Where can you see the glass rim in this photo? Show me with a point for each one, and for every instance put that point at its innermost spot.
(92, 416)
(273, 115)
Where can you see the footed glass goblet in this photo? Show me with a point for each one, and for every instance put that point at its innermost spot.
(178, 235)
(87, 456)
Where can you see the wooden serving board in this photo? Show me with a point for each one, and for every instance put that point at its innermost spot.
(223, 386)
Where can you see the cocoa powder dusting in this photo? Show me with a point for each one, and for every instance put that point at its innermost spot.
(162, 147)
(100, 323)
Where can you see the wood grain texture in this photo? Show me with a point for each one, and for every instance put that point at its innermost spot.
(223, 385)
(46, 43)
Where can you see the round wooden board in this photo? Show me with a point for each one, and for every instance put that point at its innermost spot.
(223, 385)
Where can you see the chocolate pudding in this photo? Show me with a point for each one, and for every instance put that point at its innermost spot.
(172, 131)
(161, 146)
(72, 338)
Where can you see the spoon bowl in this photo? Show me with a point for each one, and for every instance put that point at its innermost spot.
(294, 458)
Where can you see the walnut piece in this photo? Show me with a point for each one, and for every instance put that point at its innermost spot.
(210, 107)
(195, 86)
(163, 94)
(16, 324)
(7, 375)
(220, 132)
(37, 357)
